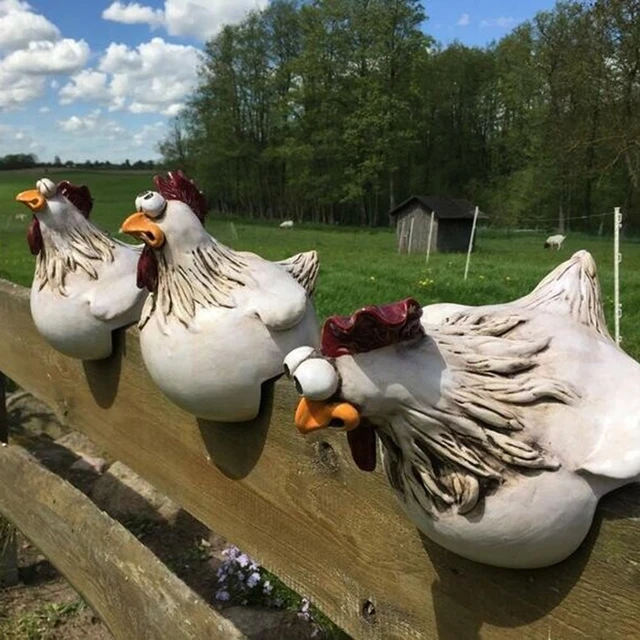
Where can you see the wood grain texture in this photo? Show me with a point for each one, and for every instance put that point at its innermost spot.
(133, 592)
(303, 510)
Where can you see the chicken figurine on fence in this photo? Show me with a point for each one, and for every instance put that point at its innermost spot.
(500, 426)
(84, 284)
(218, 322)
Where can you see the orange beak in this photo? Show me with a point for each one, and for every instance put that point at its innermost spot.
(33, 199)
(138, 225)
(312, 415)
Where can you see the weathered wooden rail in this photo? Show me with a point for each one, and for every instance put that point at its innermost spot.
(134, 593)
(304, 511)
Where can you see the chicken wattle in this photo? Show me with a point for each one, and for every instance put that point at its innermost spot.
(84, 284)
(500, 426)
(217, 323)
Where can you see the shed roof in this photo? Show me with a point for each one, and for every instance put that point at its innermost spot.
(443, 206)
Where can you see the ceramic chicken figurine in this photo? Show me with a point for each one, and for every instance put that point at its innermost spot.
(217, 323)
(500, 426)
(84, 284)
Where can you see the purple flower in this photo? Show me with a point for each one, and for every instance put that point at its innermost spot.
(222, 595)
(267, 588)
(305, 605)
(231, 552)
(253, 580)
(254, 567)
(243, 560)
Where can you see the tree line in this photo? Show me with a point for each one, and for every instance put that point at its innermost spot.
(337, 110)
(14, 161)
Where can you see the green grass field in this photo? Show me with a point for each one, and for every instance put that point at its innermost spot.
(358, 266)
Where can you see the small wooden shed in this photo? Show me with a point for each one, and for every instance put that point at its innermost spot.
(452, 223)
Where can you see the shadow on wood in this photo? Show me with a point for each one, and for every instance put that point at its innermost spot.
(103, 376)
(235, 447)
(462, 610)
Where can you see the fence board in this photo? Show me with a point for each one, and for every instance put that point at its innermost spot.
(133, 592)
(304, 511)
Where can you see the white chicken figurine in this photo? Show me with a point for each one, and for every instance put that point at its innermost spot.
(217, 323)
(84, 284)
(500, 426)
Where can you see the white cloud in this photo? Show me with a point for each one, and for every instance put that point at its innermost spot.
(99, 136)
(85, 85)
(43, 57)
(19, 26)
(136, 79)
(134, 13)
(149, 136)
(44, 109)
(18, 139)
(463, 20)
(76, 123)
(17, 89)
(201, 19)
(501, 22)
(174, 109)
(94, 122)
(34, 49)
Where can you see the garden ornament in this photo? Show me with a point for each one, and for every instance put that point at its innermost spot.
(84, 284)
(500, 426)
(217, 323)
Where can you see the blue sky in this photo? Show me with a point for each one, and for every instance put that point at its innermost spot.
(477, 23)
(100, 80)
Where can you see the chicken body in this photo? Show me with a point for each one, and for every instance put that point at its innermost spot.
(218, 323)
(84, 285)
(215, 366)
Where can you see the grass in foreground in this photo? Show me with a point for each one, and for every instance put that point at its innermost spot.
(41, 623)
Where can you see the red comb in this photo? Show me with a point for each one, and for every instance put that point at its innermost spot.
(176, 186)
(372, 328)
(79, 196)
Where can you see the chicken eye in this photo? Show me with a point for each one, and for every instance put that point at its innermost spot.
(46, 187)
(295, 358)
(316, 379)
(151, 203)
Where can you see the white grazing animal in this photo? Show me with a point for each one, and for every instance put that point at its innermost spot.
(554, 241)
(287, 224)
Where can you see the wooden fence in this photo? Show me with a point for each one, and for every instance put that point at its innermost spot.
(303, 510)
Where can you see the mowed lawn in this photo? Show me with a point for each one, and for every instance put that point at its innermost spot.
(358, 266)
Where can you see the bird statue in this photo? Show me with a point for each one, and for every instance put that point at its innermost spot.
(84, 285)
(500, 426)
(218, 322)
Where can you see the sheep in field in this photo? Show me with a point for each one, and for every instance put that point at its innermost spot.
(287, 224)
(554, 241)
